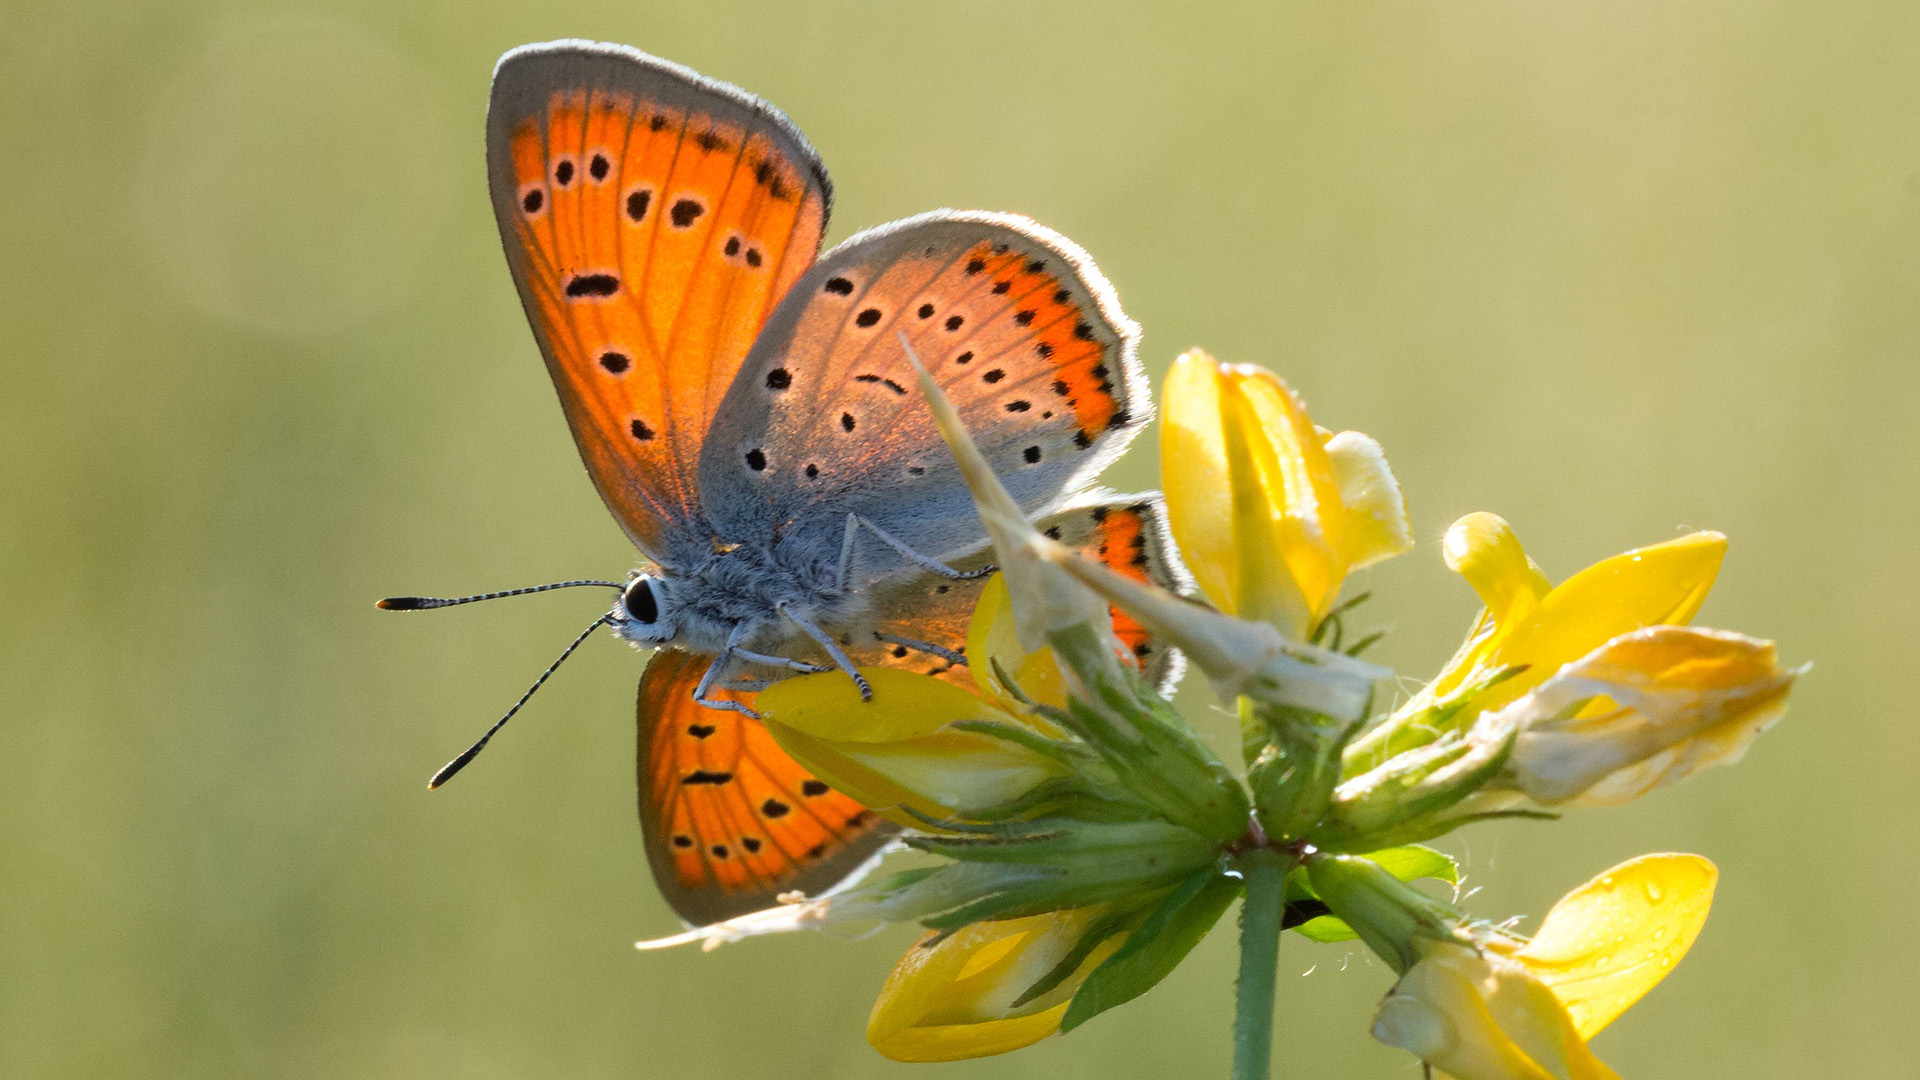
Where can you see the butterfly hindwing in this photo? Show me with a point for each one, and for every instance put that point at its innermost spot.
(652, 218)
(826, 418)
(730, 820)
(1127, 533)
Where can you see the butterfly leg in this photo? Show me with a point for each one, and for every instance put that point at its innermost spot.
(951, 656)
(855, 523)
(833, 649)
(800, 666)
(717, 669)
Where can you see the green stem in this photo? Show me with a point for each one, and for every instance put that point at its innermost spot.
(1265, 871)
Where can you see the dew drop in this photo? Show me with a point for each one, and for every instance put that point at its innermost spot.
(1655, 892)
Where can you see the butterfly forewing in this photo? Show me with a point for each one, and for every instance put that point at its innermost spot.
(652, 218)
(826, 418)
(731, 821)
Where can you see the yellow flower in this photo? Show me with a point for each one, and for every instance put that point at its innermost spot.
(1508, 1011)
(1271, 512)
(1646, 709)
(898, 751)
(1531, 625)
(952, 998)
(993, 641)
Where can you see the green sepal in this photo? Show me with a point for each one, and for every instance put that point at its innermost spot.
(1067, 862)
(1149, 749)
(1153, 950)
(1298, 765)
(1409, 863)
(1112, 923)
(1391, 916)
(1405, 800)
(1404, 731)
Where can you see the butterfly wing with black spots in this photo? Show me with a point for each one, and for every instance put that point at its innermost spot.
(825, 418)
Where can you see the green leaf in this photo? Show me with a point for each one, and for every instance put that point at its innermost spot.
(1156, 948)
(1406, 863)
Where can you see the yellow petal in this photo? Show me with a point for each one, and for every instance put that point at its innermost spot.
(1663, 703)
(896, 750)
(1482, 548)
(1248, 486)
(953, 999)
(1660, 585)
(1289, 524)
(993, 635)
(1606, 943)
(905, 706)
(1375, 515)
(1482, 1017)
(1193, 470)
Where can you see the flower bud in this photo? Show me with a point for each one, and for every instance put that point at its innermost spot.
(957, 996)
(900, 754)
(1414, 795)
(1271, 512)
(1396, 920)
(1493, 1009)
(1528, 630)
(1644, 710)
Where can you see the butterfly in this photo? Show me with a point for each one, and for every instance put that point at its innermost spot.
(746, 409)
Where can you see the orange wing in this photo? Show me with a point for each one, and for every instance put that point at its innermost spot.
(731, 821)
(1126, 532)
(652, 217)
(1011, 319)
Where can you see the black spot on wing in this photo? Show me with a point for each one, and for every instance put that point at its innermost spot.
(685, 212)
(595, 285)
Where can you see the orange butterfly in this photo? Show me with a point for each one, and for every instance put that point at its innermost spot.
(746, 412)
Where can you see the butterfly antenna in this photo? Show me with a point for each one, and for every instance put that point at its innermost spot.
(448, 770)
(423, 603)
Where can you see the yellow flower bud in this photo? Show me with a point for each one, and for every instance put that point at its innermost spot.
(953, 998)
(897, 750)
(1659, 704)
(1505, 1011)
(1528, 630)
(1271, 512)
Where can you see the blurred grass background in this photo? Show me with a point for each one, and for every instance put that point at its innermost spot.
(1614, 270)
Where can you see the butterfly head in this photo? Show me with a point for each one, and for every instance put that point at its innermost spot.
(644, 614)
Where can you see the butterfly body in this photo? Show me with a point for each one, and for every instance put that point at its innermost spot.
(744, 585)
(745, 407)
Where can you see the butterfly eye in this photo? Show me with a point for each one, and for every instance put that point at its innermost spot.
(640, 602)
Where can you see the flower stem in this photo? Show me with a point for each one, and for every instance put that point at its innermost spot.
(1265, 871)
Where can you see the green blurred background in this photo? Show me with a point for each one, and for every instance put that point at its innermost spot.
(1613, 269)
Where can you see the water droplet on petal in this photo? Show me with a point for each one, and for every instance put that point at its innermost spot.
(1654, 891)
